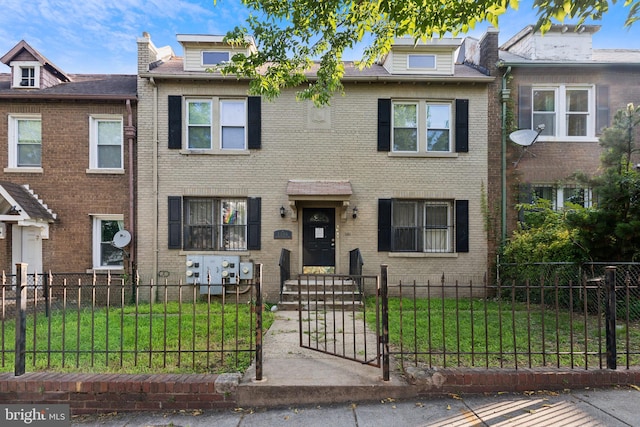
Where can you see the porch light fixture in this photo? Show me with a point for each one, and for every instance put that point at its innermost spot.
(355, 212)
(282, 211)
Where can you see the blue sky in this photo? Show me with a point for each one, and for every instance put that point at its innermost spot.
(99, 36)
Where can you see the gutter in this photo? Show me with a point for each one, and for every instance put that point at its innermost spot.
(68, 96)
(130, 132)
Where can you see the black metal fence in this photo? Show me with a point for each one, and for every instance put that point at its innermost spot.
(560, 316)
(107, 324)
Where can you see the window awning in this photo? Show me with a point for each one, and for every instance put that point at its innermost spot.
(19, 205)
(319, 190)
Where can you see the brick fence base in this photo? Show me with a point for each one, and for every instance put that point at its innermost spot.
(430, 382)
(101, 393)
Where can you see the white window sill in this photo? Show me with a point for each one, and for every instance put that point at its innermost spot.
(566, 139)
(23, 170)
(215, 152)
(106, 171)
(425, 155)
(105, 270)
(423, 255)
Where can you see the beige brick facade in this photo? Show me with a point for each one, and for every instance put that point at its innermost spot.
(300, 142)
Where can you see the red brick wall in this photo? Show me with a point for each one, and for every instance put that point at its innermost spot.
(91, 394)
(64, 185)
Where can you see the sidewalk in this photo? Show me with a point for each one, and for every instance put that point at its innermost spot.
(584, 408)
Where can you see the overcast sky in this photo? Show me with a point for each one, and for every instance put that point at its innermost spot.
(99, 36)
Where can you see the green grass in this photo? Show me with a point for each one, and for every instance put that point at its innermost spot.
(480, 333)
(154, 338)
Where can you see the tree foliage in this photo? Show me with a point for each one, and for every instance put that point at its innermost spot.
(291, 34)
(611, 231)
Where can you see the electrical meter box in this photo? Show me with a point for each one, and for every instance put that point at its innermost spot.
(212, 272)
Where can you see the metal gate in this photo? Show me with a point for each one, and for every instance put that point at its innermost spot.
(337, 316)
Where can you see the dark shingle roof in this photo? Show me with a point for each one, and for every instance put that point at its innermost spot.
(117, 86)
(28, 202)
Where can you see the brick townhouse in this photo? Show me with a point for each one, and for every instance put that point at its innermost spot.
(560, 81)
(397, 167)
(67, 176)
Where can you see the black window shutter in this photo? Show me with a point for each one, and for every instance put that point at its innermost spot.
(175, 122)
(602, 108)
(462, 125)
(254, 110)
(175, 222)
(384, 225)
(524, 107)
(462, 226)
(253, 222)
(384, 125)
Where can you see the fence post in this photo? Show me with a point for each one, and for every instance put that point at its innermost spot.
(384, 338)
(610, 316)
(21, 318)
(259, 325)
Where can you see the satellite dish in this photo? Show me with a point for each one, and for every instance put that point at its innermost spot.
(121, 239)
(524, 137)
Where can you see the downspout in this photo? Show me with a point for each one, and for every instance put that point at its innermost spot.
(130, 132)
(154, 173)
(505, 92)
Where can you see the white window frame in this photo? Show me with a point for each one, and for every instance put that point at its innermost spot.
(18, 66)
(213, 64)
(417, 128)
(422, 228)
(421, 56)
(94, 122)
(422, 147)
(558, 197)
(96, 250)
(448, 128)
(217, 125)
(241, 122)
(220, 225)
(561, 114)
(13, 142)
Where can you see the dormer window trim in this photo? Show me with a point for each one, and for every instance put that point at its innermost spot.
(421, 57)
(214, 52)
(31, 80)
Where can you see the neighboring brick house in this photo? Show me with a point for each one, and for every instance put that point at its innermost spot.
(397, 166)
(66, 181)
(559, 80)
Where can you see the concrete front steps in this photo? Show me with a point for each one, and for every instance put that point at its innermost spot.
(331, 292)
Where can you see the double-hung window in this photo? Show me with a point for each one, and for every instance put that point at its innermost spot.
(565, 111)
(563, 196)
(421, 226)
(106, 139)
(26, 74)
(222, 120)
(105, 254)
(421, 126)
(215, 224)
(25, 141)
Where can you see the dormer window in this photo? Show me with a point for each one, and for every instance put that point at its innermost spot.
(210, 58)
(422, 62)
(26, 75)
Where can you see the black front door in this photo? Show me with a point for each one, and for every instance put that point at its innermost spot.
(319, 237)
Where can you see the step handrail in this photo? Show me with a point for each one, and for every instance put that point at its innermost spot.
(285, 268)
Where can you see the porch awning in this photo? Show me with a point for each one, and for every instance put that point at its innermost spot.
(19, 204)
(319, 190)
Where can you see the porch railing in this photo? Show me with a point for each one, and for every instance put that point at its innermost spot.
(285, 268)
